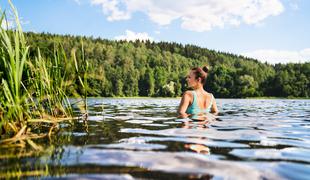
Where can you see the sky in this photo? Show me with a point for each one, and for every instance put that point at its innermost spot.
(273, 31)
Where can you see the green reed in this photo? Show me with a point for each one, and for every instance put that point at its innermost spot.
(13, 56)
(33, 91)
(49, 83)
(81, 69)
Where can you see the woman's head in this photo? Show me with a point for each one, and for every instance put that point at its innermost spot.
(197, 76)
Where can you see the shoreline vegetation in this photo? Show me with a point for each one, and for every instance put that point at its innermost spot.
(33, 99)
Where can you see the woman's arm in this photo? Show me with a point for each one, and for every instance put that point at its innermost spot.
(185, 101)
(214, 109)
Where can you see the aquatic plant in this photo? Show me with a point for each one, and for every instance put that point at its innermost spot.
(33, 90)
(81, 69)
(48, 80)
(13, 57)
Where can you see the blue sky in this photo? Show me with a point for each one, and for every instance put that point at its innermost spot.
(269, 30)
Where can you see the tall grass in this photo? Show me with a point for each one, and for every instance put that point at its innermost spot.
(13, 56)
(82, 72)
(48, 80)
(32, 91)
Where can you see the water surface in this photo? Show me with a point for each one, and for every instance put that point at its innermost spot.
(142, 139)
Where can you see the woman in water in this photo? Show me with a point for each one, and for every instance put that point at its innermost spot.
(198, 100)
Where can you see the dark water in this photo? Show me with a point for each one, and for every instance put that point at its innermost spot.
(143, 139)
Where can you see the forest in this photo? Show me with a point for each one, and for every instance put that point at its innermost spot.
(158, 69)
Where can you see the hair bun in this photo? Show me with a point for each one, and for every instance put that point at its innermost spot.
(205, 69)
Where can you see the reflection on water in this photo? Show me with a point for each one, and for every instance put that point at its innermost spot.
(142, 138)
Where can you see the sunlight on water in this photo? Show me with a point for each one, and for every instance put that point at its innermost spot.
(142, 138)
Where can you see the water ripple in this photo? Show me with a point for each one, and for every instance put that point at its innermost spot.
(141, 138)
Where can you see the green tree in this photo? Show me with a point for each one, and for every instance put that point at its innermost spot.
(246, 86)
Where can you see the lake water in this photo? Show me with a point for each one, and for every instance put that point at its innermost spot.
(142, 139)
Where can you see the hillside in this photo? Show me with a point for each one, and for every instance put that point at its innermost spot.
(120, 68)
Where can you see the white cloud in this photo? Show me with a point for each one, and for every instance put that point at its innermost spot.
(111, 8)
(195, 15)
(132, 36)
(78, 2)
(280, 56)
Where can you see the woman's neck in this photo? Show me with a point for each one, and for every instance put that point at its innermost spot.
(199, 88)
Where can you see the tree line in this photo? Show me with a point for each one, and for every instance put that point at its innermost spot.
(158, 69)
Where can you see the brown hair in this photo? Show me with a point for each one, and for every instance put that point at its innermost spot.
(201, 73)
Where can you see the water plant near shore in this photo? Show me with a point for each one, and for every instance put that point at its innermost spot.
(32, 90)
(13, 57)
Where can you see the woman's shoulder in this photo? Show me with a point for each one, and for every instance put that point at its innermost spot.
(209, 94)
(188, 93)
